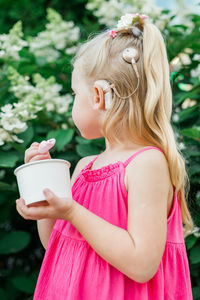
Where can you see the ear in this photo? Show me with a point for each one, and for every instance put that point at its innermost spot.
(99, 99)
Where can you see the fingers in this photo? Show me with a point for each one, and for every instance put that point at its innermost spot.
(35, 144)
(31, 154)
(20, 210)
(39, 157)
(32, 213)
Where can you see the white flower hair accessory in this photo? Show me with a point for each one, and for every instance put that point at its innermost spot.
(134, 22)
(128, 20)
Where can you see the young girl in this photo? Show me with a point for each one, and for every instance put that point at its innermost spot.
(121, 237)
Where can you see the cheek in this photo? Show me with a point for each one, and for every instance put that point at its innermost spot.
(74, 111)
(80, 113)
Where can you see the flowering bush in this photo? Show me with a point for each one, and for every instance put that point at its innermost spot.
(59, 35)
(44, 96)
(32, 99)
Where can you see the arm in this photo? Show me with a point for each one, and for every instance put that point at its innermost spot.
(136, 252)
(45, 226)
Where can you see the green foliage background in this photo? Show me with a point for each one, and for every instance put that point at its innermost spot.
(21, 252)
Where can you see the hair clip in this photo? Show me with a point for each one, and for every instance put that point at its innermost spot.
(136, 31)
(129, 21)
(113, 33)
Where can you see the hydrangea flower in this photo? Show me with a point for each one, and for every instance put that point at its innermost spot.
(43, 95)
(58, 35)
(12, 43)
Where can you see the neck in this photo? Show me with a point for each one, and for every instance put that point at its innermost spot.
(126, 146)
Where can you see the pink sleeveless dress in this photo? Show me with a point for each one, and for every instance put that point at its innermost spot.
(72, 270)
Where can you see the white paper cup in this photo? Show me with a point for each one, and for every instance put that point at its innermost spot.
(34, 177)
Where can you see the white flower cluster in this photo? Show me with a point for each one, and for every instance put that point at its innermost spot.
(58, 35)
(183, 58)
(107, 11)
(110, 11)
(11, 43)
(196, 232)
(196, 72)
(32, 99)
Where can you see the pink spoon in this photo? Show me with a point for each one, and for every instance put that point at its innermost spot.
(44, 146)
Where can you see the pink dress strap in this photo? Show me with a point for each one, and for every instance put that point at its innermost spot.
(90, 163)
(138, 152)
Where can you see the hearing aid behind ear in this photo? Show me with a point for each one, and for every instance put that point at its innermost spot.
(104, 84)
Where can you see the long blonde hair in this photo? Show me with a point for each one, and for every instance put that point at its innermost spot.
(146, 114)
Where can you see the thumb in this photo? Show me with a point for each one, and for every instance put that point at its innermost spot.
(50, 196)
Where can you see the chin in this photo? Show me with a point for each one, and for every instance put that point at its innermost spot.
(90, 136)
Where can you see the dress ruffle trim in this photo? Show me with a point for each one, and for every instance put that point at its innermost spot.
(104, 172)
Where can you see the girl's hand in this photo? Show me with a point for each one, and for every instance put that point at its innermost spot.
(32, 154)
(56, 208)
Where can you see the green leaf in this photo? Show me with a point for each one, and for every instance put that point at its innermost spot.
(193, 132)
(19, 147)
(5, 213)
(99, 142)
(81, 140)
(196, 292)
(2, 200)
(3, 294)
(68, 155)
(193, 169)
(14, 241)
(41, 128)
(195, 254)
(27, 68)
(6, 187)
(23, 284)
(190, 240)
(193, 153)
(62, 136)
(86, 150)
(188, 113)
(8, 160)
(27, 135)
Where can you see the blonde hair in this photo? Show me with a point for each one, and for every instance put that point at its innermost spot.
(146, 114)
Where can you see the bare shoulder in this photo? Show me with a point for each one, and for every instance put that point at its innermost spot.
(151, 163)
(80, 165)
